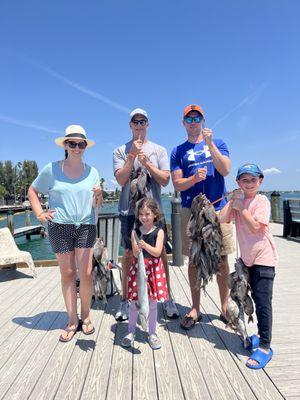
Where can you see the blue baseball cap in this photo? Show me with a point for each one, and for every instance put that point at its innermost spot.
(251, 169)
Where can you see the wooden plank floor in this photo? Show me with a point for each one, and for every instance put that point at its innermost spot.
(204, 363)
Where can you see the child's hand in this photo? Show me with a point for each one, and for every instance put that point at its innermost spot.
(238, 194)
(237, 205)
(142, 244)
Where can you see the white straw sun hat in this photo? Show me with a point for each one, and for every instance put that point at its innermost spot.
(74, 132)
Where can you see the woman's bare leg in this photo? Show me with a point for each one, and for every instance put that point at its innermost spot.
(84, 263)
(66, 262)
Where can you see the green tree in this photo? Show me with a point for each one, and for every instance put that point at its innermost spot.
(25, 173)
(2, 174)
(3, 192)
(9, 178)
(17, 179)
(117, 194)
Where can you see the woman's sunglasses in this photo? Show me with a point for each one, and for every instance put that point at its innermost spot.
(72, 145)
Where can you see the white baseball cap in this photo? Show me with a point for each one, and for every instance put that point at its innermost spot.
(138, 111)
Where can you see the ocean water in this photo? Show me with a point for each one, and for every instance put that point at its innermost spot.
(40, 249)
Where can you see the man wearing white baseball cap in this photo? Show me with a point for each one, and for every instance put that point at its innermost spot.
(139, 154)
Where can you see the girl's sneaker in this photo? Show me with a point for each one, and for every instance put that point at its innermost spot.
(154, 342)
(128, 340)
(123, 310)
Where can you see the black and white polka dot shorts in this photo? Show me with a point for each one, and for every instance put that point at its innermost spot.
(64, 238)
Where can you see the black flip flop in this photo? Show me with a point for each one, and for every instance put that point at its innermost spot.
(190, 321)
(87, 324)
(68, 330)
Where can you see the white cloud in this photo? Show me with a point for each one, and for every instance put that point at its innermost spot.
(249, 99)
(114, 182)
(271, 171)
(76, 85)
(26, 124)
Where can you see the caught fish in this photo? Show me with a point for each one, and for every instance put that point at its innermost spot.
(139, 186)
(206, 239)
(238, 283)
(100, 272)
(236, 320)
(98, 250)
(142, 303)
(240, 303)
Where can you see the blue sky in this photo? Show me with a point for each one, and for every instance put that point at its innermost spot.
(90, 63)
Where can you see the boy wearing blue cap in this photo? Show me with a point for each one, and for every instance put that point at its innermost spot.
(251, 212)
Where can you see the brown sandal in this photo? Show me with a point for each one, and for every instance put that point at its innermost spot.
(189, 322)
(68, 330)
(87, 324)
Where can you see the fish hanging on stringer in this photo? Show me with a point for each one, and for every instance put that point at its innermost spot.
(139, 186)
(240, 303)
(206, 239)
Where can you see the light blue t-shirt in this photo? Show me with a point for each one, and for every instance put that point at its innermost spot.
(72, 199)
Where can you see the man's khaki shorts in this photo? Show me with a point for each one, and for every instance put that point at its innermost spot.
(228, 246)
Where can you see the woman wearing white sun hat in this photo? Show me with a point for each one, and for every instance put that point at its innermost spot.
(73, 189)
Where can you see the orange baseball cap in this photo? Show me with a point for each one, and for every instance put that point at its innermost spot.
(193, 107)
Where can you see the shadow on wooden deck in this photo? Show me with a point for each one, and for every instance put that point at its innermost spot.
(207, 362)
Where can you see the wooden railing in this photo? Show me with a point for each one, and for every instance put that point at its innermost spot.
(291, 218)
(109, 228)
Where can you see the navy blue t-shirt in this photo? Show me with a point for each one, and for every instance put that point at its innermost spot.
(189, 157)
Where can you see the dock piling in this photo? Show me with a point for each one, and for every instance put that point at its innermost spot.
(275, 206)
(176, 230)
(10, 221)
(27, 218)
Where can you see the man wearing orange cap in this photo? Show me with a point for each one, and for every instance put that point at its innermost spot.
(199, 166)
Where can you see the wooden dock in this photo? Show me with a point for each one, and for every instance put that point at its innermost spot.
(204, 363)
(29, 231)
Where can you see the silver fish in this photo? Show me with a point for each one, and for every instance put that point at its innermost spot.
(142, 304)
(100, 272)
(238, 283)
(240, 303)
(249, 308)
(206, 239)
(139, 186)
(236, 320)
(98, 249)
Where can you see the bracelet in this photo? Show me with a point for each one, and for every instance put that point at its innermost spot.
(38, 216)
(131, 156)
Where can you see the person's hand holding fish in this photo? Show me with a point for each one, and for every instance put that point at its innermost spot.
(97, 196)
(207, 135)
(136, 146)
(143, 158)
(238, 205)
(236, 199)
(142, 245)
(200, 175)
(237, 194)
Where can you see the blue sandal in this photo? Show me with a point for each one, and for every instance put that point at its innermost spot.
(253, 342)
(261, 358)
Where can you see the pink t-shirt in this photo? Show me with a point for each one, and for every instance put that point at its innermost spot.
(256, 248)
